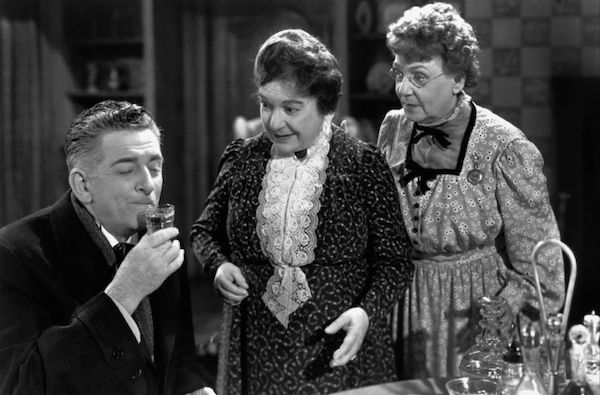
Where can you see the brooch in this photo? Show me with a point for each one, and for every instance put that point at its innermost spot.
(475, 176)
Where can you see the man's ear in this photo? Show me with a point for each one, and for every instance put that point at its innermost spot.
(78, 180)
(459, 84)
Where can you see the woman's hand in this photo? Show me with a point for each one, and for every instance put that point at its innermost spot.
(231, 284)
(355, 322)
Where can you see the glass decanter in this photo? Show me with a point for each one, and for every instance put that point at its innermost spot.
(484, 358)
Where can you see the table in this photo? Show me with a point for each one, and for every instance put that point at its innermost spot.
(432, 386)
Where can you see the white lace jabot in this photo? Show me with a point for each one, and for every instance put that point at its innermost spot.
(287, 219)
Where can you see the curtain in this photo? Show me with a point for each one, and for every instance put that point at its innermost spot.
(29, 148)
(200, 157)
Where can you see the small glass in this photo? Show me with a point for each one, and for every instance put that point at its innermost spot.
(159, 217)
(471, 386)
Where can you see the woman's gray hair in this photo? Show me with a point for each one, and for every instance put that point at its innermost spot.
(437, 29)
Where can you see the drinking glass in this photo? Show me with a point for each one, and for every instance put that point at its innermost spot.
(471, 386)
(160, 216)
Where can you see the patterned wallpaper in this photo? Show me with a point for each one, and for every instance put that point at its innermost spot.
(525, 43)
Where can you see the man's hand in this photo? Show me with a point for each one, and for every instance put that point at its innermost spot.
(355, 322)
(144, 269)
(231, 284)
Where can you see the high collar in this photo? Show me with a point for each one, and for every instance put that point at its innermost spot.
(427, 153)
(454, 125)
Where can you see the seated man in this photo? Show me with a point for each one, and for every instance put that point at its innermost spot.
(74, 318)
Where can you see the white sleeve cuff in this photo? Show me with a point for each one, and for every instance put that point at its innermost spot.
(129, 319)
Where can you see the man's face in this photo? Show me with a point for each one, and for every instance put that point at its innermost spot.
(126, 180)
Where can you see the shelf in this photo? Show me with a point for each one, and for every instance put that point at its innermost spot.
(107, 51)
(369, 96)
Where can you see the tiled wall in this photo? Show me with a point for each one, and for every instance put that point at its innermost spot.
(525, 43)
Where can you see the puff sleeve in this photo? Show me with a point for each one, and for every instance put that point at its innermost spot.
(208, 236)
(528, 218)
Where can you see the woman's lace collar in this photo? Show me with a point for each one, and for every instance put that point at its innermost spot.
(287, 220)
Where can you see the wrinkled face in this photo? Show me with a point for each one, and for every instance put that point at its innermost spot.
(436, 98)
(127, 179)
(291, 121)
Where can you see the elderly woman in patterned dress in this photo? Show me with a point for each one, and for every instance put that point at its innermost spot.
(304, 237)
(473, 195)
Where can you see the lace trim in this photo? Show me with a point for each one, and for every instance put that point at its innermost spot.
(287, 220)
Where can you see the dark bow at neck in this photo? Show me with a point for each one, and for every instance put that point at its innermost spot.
(439, 135)
(301, 154)
(412, 169)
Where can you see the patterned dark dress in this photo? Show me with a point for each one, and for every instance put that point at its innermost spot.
(360, 259)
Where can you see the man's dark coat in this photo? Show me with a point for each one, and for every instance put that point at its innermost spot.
(60, 334)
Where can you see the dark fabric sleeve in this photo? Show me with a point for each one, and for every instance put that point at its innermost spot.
(209, 232)
(92, 348)
(389, 248)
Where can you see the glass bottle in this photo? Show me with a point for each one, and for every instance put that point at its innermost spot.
(577, 385)
(484, 358)
(513, 371)
(591, 353)
(555, 376)
(531, 383)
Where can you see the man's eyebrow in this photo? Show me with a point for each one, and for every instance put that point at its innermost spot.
(128, 159)
(135, 159)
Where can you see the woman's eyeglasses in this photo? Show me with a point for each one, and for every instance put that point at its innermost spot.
(418, 80)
